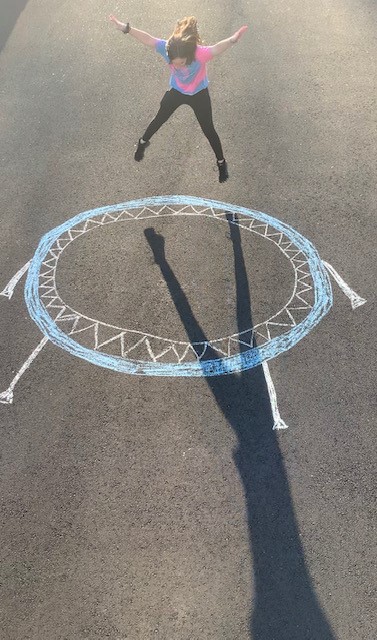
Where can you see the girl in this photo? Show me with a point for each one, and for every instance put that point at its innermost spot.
(188, 80)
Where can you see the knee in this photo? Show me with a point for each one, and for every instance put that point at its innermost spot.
(208, 130)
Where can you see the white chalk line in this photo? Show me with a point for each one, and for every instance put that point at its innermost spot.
(278, 421)
(356, 300)
(6, 397)
(10, 287)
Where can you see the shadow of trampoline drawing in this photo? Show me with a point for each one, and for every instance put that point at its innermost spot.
(284, 605)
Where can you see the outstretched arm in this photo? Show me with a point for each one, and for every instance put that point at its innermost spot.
(223, 45)
(141, 36)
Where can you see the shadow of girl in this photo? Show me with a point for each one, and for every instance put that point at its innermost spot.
(285, 606)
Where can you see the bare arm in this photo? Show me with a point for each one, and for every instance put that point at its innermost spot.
(224, 45)
(141, 36)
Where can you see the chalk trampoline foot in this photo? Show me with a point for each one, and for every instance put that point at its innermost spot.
(6, 397)
(280, 424)
(357, 301)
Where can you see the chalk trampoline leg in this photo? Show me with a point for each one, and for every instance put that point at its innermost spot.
(356, 300)
(9, 289)
(6, 397)
(278, 421)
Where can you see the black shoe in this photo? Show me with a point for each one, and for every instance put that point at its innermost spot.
(223, 171)
(139, 153)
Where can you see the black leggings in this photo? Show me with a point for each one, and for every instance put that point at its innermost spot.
(201, 104)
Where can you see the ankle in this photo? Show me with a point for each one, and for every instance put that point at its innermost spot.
(223, 170)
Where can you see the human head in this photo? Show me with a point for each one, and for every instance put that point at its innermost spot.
(183, 41)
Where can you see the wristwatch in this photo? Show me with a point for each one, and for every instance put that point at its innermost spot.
(126, 28)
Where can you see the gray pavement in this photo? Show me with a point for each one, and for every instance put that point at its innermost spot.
(140, 507)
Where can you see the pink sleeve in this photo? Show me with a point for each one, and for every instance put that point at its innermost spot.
(203, 54)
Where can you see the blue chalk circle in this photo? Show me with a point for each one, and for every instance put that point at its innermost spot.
(66, 327)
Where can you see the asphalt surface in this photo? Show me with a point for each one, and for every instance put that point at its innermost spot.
(140, 507)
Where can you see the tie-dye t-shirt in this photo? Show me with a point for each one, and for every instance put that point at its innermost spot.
(190, 79)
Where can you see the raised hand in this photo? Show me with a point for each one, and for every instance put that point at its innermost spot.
(239, 33)
(119, 25)
(157, 244)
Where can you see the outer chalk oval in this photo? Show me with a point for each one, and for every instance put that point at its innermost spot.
(50, 312)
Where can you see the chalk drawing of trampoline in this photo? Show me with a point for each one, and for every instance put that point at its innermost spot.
(83, 336)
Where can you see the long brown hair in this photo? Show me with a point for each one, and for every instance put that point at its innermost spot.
(184, 40)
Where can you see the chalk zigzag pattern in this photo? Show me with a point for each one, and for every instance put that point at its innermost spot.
(76, 323)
